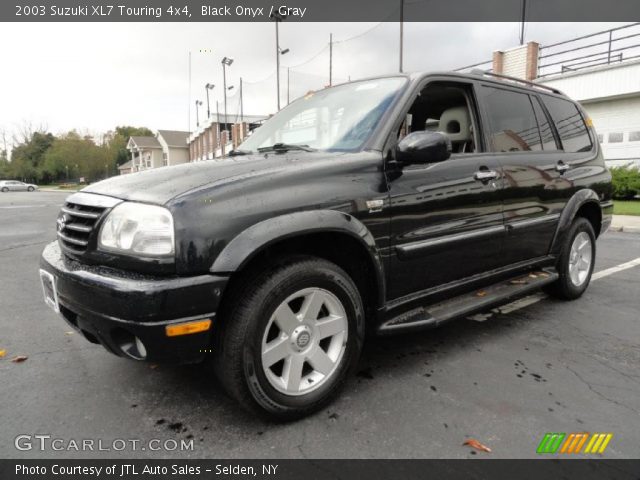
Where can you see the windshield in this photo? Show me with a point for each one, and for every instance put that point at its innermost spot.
(339, 118)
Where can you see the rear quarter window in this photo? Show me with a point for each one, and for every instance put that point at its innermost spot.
(570, 125)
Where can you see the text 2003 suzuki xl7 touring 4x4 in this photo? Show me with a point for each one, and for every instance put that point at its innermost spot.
(378, 206)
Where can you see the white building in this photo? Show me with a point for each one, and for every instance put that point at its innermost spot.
(167, 147)
(611, 96)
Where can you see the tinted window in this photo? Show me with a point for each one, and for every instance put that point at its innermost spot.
(569, 123)
(634, 136)
(548, 140)
(513, 123)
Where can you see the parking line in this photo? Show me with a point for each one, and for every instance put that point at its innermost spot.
(31, 206)
(618, 268)
(536, 297)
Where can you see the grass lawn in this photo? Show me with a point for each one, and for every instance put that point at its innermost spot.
(626, 207)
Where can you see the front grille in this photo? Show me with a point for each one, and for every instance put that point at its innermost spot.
(78, 218)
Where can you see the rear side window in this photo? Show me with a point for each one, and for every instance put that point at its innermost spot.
(513, 123)
(548, 140)
(569, 123)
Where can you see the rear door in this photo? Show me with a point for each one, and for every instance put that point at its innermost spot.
(446, 217)
(524, 143)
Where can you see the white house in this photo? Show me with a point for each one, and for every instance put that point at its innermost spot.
(175, 148)
(168, 147)
(146, 152)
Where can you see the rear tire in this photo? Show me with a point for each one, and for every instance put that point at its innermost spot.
(289, 337)
(4, 189)
(576, 261)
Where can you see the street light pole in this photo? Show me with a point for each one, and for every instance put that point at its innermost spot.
(208, 86)
(198, 103)
(277, 18)
(226, 61)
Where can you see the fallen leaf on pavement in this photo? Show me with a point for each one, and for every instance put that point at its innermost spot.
(473, 443)
(2, 353)
(481, 293)
(533, 275)
(518, 281)
(68, 333)
(153, 366)
(19, 359)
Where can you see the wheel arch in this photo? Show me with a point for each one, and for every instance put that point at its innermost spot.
(329, 234)
(584, 203)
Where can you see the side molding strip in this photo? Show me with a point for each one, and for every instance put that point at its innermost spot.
(416, 249)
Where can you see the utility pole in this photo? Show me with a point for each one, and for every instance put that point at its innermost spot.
(241, 106)
(401, 31)
(524, 11)
(278, 63)
(330, 59)
(189, 112)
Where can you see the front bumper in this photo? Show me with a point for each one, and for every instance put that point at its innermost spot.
(113, 308)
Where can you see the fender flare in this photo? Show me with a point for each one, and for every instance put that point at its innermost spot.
(246, 245)
(574, 204)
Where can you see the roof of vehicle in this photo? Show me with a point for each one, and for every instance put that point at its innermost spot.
(477, 74)
(499, 79)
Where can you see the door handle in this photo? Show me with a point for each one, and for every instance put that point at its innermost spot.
(485, 175)
(562, 167)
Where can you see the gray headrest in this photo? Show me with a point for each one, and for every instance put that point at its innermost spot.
(456, 124)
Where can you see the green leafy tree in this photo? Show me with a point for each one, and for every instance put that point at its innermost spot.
(27, 156)
(72, 157)
(117, 141)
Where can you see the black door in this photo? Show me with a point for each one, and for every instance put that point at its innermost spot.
(446, 217)
(535, 187)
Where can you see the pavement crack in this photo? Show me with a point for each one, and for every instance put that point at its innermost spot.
(590, 386)
(13, 247)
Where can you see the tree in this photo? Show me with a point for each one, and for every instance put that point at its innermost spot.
(117, 141)
(72, 156)
(27, 156)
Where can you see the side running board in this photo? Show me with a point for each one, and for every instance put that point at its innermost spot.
(468, 303)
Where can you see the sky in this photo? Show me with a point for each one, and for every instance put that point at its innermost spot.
(92, 77)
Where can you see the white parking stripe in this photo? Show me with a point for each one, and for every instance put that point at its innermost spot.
(536, 297)
(618, 268)
(30, 206)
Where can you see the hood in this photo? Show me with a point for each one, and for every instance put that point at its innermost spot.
(160, 185)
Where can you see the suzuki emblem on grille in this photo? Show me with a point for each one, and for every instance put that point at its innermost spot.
(62, 221)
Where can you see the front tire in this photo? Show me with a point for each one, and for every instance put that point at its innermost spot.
(290, 337)
(30, 189)
(576, 261)
(4, 189)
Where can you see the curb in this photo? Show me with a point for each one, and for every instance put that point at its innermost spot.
(627, 229)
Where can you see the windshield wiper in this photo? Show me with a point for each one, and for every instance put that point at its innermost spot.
(236, 153)
(285, 147)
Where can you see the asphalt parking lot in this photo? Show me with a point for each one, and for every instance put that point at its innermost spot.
(549, 366)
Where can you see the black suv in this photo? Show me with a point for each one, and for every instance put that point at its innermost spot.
(378, 206)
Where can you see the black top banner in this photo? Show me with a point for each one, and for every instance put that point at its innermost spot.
(319, 10)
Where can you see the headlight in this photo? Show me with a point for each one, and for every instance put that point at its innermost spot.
(136, 228)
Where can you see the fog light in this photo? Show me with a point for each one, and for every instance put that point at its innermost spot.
(141, 348)
(188, 327)
(129, 344)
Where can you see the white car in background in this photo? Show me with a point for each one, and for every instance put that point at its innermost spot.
(16, 186)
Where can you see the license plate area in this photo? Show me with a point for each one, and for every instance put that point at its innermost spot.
(48, 282)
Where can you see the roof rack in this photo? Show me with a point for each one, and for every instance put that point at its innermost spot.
(477, 71)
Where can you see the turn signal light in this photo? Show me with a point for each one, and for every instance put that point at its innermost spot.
(188, 328)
